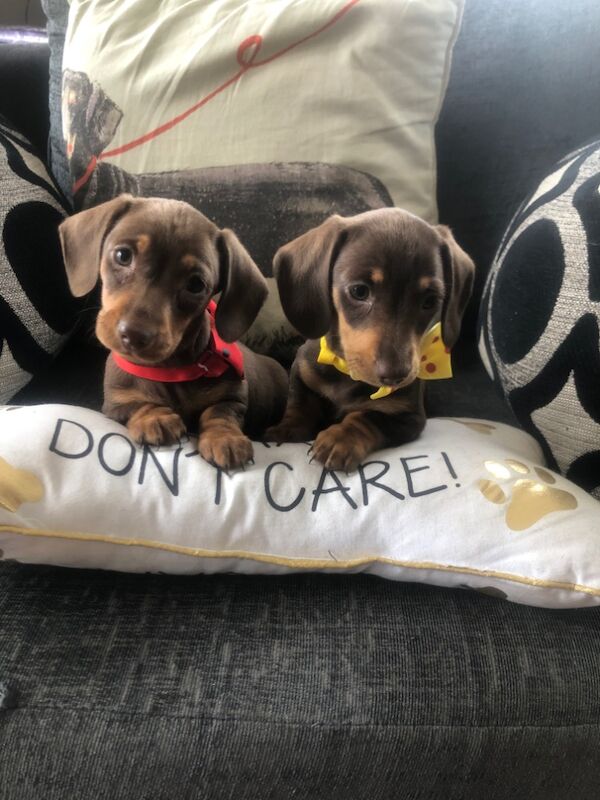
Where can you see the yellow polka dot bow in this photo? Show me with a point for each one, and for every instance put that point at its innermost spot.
(435, 360)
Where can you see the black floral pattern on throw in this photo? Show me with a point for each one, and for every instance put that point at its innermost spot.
(36, 308)
(540, 317)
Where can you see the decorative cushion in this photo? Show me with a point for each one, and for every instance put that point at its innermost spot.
(466, 505)
(268, 116)
(539, 335)
(57, 13)
(356, 83)
(36, 308)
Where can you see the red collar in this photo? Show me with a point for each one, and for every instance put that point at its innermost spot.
(218, 357)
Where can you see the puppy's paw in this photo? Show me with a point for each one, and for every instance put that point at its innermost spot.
(162, 426)
(338, 448)
(287, 432)
(229, 450)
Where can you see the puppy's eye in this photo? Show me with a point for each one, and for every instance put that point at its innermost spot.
(429, 302)
(360, 291)
(195, 284)
(123, 256)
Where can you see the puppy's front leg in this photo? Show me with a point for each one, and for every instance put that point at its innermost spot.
(147, 423)
(221, 441)
(346, 444)
(156, 425)
(304, 413)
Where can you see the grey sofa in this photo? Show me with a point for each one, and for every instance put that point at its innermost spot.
(312, 686)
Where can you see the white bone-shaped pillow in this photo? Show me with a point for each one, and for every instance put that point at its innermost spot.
(469, 504)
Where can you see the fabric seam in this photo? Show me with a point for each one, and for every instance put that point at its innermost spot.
(302, 563)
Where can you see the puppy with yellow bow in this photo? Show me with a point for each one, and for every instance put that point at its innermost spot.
(380, 298)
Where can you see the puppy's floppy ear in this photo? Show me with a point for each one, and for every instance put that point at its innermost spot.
(242, 286)
(459, 272)
(303, 271)
(82, 238)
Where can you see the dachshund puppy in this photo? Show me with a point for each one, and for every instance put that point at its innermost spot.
(171, 369)
(371, 286)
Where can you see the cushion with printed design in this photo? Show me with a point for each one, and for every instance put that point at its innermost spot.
(268, 117)
(37, 310)
(540, 317)
(471, 504)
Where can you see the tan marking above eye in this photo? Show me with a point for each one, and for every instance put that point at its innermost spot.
(190, 261)
(377, 275)
(431, 283)
(142, 242)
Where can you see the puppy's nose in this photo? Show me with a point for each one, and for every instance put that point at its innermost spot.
(392, 380)
(390, 374)
(133, 338)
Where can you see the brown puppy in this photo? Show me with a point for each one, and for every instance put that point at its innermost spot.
(372, 284)
(161, 262)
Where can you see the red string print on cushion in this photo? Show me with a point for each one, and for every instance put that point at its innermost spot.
(247, 59)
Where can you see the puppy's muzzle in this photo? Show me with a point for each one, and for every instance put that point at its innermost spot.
(134, 337)
(395, 369)
(391, 376)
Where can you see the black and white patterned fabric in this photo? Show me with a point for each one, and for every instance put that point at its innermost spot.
(540, 314)
(36, 308)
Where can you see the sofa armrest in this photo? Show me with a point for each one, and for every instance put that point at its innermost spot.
(24, 57)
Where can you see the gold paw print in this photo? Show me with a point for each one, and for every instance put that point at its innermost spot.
(531, 499)
(18, 486)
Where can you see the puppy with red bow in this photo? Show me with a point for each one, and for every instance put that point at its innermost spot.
(174, 364)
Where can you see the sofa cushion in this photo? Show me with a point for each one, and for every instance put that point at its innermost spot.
(24, 56)
(36, 307)
(540, 323)
(308, 686)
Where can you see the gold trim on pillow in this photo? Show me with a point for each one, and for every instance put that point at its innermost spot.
(300, 563)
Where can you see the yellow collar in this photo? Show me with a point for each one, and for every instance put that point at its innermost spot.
(435, 360)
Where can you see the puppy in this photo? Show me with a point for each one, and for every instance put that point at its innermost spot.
(372, 285)
(171, 369)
